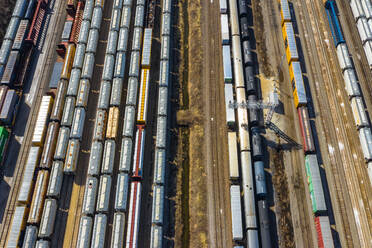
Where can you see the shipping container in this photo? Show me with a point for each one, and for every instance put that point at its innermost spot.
(92, 41)
(77, 126)
(38, 197)
(115, 20)
(139, 152)
(344, 57)
(10, 72)
(72, 156)
(158, 205)
(165, 48)
(100, 125)
(113, 123)
(134, 64)
(48, 218)
(95, 158)
(118, 226)
(307, 135)
(165, 24)
(79, 56)
(62, 141)
(85, 232)
(83, 94)
(143, 96)
(87, 71)
(129, 116)
(9, 108)
(134, 215)
(125, 155)
(164, 73)
(125, 17)
(156, 239)
(99, 231)
(96, 19)
(55, 180)
(120, 65)
(225, 34)
(233, 156)
(73, 84)
(146, 49)
(248, 189)
(69, 60)
(112, 42)
(123, 40)
(59, 102)
(90, 196)
(117, 87)
(104, 95)
(160, 167)
(229, 99)
(132, 91)
(324, 232)
(103, 197)
(68, 111)
(263, 213)
(163, 101)
(30, 238)
(56, 75)
(66, 31)
(315, 184)
(25, 191)
(41, 126)
(236, 213)
(365, 137)
(351, 83)
(108, 67)
(84, 29)
(139, 17)
(290, 42)
(298, 87)
(259, 173)
(359, 113)
(121, 194)
(17, 226)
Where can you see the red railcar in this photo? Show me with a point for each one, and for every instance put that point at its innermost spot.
(139, 152)
(307, 135)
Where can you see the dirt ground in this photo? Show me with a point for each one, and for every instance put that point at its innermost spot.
(190, 219)
(6, 8)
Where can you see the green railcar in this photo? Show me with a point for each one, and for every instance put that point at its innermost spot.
(4, 135)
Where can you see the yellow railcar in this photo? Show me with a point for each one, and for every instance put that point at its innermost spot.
(290, 42)
(69, 59)
(298, 86)
(112, 124)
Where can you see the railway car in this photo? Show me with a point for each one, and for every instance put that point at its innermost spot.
(117, 234)
(55, 180)
(254, 117)
(299, 93)
(164, 73)
(252, 237)
(113, 123)
(77, 126)
(165, 24)
(41, 121)
(90, 196)
(158, 205)
(83, 94)
(225, 34)
(343, 56)
(263, 212)
(134, 64)
(69, 60)
(95, 158)
(9, 108)
(315, 184)
(115, 20)
(17, 226)
(134, 215)
(324, 233)
(223, 6)
(125, 155)
(259, 174)
(108, 67)
(108, 157)
(72, 155)
(161, 132)
(165, 48)
(351, 83)
(59, 102)
(11, 31)
(137, 39)
(236, 213)
(132, 91)
(139, 152)
(73, 84)
(163, 101)
(123, 40)
(125, 17)
(229, 99)
(233, 156)
(42, 244)
(244, 29)
(79, 56)
(243, 124)
(129, 116)
(234, 18)
(68, 111)
(121, 194)
(307, 135)
(334, 23)
(167, 6)
(92, 40)
(99, 230)
(48, 218)
(85, 231)
(25, 191)
(359, 113)
(247, 54)
(117, 86)
(156, 239)
(11, 69)
(140, 12)
(38, 197)
(88, 66)
(30, 237)
(104, 95)
(364, 30)
(357, 9)
(160, 167)
(237, 62)
(365, 137)
(62, 141)
(285, 11)
(290, 42)
(100, 125)
(49, 146)
(96, 18)
(119, 65)
(143, 96)
(146, 49)
(368, 51)
(4, 138)
(248, 189)
(103, 196)
(3, 90)
(84, 30)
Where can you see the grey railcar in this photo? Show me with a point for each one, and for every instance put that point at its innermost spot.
(104, 95)
(125, 155)
(73, 84)
(112, 42)
(163, 101)
(165, 24)
(100, 125)
(99, 231)
(132, 91)
(55, 180)
(84, 31)
(92, 40)
(103, 197)
(108, 157)
(158, 205)
(160, 166)
(85, 232)
(47, 220)
(77, 127)
(351, 83)
(134, 64)
(125, 17)
(88, 10)
(79, 56)
(139, 18)
(117, 238)
(29, 241)
(72, 156)
(96, 19)
(42, 244)
(59, 101)
(68, 112)
(130, 113)
(95, 158)
(117, 86)
(165, 47)
(83, 94)
(90, 196)
(236, 213)
(119, 65)
(167, 5)
(123, 40)
(121, 195)
(115, 20)
(161, 132)
(62, 141)
(88, 66)
(156, 240)
(49, 145)
(164, 73)
(108, 67)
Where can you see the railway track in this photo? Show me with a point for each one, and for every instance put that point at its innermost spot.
(17, 177)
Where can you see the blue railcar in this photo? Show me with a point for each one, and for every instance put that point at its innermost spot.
(334, 23)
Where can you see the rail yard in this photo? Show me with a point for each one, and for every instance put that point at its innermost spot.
(175, 123)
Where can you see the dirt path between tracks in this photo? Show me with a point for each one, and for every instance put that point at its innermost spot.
(191, 219)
